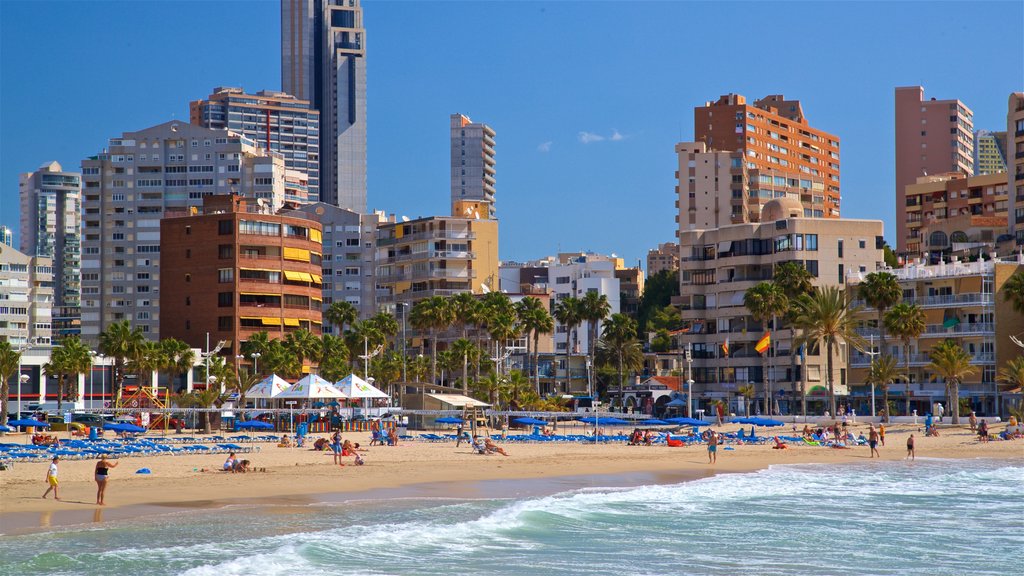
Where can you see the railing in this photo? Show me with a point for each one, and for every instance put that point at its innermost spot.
(941, 301)
(916, 359)
(962, 329)
(431, 235)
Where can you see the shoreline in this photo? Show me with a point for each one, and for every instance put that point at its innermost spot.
(412, 469)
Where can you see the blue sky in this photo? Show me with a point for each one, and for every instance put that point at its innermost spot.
(74, 74)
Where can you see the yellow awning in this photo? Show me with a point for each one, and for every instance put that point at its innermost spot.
(291, 321)
(293, 276)
(260, 294)
(306, 276)
(298, 254)
(260, 269)
(317, 279)
(315, 299)
(316, 322)
(315, 235)
(271, 321)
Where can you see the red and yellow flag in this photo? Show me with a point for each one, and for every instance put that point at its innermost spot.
(725, 347)
(763, 343)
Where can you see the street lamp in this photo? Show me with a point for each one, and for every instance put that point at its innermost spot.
(872, 353)
(404, 306)
(238, 358)
(22, 378)
(103, 377)
(689, 380)
(255, 362)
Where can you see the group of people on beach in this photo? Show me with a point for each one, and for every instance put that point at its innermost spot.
(100, 474)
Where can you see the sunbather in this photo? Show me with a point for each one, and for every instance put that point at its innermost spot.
(779, 444)
(492, 447)
(229, 464)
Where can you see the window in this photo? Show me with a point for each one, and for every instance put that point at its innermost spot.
(862, 244)
(188, 300)
(226, 275)
(811, 241)
(225, 299)
(225, 251)
(840, 248)
(224, 227)
(812, 267)
(351, 271)
(842, 275)
(224, 323)
(188, 253)
(188, 277)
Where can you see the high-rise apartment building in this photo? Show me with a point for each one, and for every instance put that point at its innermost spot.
(664, 257)
(51, 227)
(989, 152)
(472, 154)
(349, 257)
(236, 269)
(6, 235)
(1015, 173)
(323, 61)
(932, 137)
(758, 152)
(26, 297)
(945, 212)
(141, 178)
(719, 265)
(275, 121)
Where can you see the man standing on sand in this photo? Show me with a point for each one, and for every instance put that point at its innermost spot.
(51, 479)
(881, 434)
(873, 441)
(712, 447)
(940, 411)
(458, 435)
(974, 421)
(910, 447)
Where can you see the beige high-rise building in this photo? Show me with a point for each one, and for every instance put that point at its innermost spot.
(718, 266)
(1015, 173)
(989, 152)
(932, 137)
(664, 257)
(26, 297)
(141, 178)
(472, 157)
(933, 201)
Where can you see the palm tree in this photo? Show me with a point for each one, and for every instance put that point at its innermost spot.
(796, 282)
(536, 320)
(207, 398)
(747, 391)
(280, 360)
(449, 362)
(418, 367)
(385, 324)
(465, 310)
(516, 387)
(906, 322)
(594, 308)
(333, 363)
(953, 363)
(258, 343)
(765, 301)
(149, 358)
(242, 385)
(1012, 375)
(569, 314)
(179, 358)
(465, 349)
(1013, 291)
(618, 336)
(10, 359)
(121, 342)
(825, 317)
(71, 358)
(432, 315)
(492, 389)
(341, 314)
(881, 291)
(503, 325)
(883, 372)
(303, 344)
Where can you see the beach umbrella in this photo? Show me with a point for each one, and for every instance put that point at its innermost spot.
(606, 421)
(684, 421)
(448, 420)
(254, 425)
(530, 421)
(741, 420)
(653, 422)
(6, 429)
(123, 427)
(677, 403)
(764, 422)
(28, 422)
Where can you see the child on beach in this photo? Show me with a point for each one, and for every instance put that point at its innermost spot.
(881, 434)
(51, 479)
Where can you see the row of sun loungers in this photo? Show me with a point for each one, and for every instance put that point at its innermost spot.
(88, 449)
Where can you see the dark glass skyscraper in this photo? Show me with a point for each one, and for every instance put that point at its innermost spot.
(323, 60)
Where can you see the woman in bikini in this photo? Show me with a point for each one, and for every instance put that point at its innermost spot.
(102, 471)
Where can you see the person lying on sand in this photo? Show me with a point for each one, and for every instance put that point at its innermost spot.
(286, 442)
(491, 447)
(779, 444)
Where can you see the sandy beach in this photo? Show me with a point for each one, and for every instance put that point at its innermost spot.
(294, 474)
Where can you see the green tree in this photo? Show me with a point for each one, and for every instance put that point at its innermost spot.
(889, 256)
(796, 282)
(765, 301)
(906, 322)
(881, 291)
(825, 317)
(333, 362)
(953, 364)
(10, 358)
(666, 318)
(242, 385)
(280, 360)
(385, 324)
(516, 387)
(303, 344)
(178, 358)
(658, 292)
(465, 310)
(568, 312)
(1012, 376)
(536, 320)
(387, 370)
(748, 392)
(432, 315)
(594, 308)
(884, 372)
(619, 337)
(209, 398)
(490, 388)
(71, 358)
(1013, 291)
(121, 342)
(662, 341)
(418, 368)
(467, 351)
(149, 358)
(341, 314)
(503, 325)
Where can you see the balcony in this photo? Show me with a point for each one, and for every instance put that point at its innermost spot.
(945, 301)
(917, 359)
(452, 273)
(429, 235)
(940, 331)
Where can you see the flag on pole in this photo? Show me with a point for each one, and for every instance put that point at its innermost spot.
(725, 347)
(763, 343)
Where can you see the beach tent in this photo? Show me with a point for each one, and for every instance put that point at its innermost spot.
(311, 387)
(355, 387)
(269, 387)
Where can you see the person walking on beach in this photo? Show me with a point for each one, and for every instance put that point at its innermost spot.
(910, 447)
(873, 441)
(458, 435)
(881, 434)
(51, 479)
(102, 470)
(712, 447)
(974, 421)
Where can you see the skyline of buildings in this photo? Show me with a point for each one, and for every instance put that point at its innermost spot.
(323, 61)
(472, 156)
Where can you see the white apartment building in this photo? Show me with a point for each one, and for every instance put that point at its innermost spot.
(141, 178)
(26, 297)
(564, 276)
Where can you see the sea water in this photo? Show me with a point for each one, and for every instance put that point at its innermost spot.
(929, 517)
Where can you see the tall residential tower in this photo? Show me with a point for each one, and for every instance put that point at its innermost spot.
(472, 163)
(323, 60)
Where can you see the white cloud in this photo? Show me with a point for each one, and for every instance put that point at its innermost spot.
(616, 136)
(544, 146)
(588, 137)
